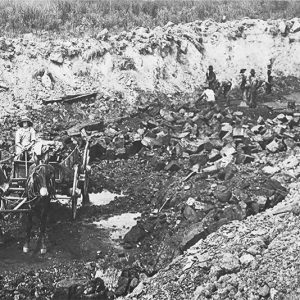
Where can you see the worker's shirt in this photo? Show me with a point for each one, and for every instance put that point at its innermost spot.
(209, 95)
(243, 81)
(211, 76)
(25, 136)
(253, 82)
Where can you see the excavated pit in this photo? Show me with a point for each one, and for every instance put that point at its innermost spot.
(145, 208)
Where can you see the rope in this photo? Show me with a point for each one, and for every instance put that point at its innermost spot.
(62, 162)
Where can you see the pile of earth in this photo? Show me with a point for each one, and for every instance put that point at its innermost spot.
(252, 259)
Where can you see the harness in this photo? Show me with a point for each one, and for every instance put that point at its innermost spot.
(33, 185)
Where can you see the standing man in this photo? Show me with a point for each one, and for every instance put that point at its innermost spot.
(243, 81)
(25, 136)
(269, 80)
(224, 89)
(252, 84)
(211, 78)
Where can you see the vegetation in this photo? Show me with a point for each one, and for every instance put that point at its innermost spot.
(81, 16)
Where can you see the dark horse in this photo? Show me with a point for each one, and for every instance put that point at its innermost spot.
(40, 189)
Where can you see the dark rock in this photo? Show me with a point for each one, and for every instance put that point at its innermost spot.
(123, 286)
(69, 289)
(223, 194)
(200, 159)
(194, 233)
(157, 164)
(135, 234)
(190, 214)
(134, 283)
(230, 171)
(172, 167)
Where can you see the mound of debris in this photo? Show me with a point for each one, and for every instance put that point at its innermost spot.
(252, 259)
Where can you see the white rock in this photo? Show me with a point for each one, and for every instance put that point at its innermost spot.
(295, 27)
(46, 81)
(246, 259)
(190, 201)
(56, 57)
(273, 146)
(270, 170)
(282, 27)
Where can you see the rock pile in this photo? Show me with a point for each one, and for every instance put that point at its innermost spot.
(252, 259)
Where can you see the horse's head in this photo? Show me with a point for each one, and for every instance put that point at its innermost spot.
(41, 182)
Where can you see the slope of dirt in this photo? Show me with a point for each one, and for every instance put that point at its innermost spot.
(165, 60)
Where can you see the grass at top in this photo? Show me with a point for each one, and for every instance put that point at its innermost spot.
(90, 16)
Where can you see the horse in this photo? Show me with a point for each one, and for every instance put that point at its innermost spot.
(40, 188)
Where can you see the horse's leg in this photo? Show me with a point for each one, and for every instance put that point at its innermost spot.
(44, 214)
(28, 232)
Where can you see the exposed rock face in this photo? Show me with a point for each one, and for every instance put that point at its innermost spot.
(166, 59)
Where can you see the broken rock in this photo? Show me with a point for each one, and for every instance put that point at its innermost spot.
(172, 167)
(246, 259)
(223, 194)
(190, 214)
(273, 146)
(230, 263)
(56, 57)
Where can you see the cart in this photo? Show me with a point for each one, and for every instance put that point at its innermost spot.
(71, 177)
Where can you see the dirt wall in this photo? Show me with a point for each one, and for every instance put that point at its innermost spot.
(169, 59)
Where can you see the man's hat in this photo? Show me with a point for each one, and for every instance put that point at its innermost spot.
(25, 119)
(252, 71)
(242, 70)
(210, 67)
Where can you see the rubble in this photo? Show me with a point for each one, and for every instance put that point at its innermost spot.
(208, 182)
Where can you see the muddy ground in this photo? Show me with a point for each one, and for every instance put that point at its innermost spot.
(155, 198)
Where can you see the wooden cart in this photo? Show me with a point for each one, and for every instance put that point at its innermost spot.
(71, 176)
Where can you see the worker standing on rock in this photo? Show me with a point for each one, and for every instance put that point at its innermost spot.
(243, 81)
(252, 86)
(269, 80)
(224, 89)
(211, 78)
(25, 136)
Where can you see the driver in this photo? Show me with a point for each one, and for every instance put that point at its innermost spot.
(25, 136)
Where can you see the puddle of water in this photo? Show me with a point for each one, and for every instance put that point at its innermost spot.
(103, 198)
(119, 225)
(65, 200)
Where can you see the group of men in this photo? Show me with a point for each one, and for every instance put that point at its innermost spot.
(249, 85)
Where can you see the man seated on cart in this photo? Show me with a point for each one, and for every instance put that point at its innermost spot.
(25, 138)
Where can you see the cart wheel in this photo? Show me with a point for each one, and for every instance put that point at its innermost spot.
(74, 206)
(84, 190)
(74, 196)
